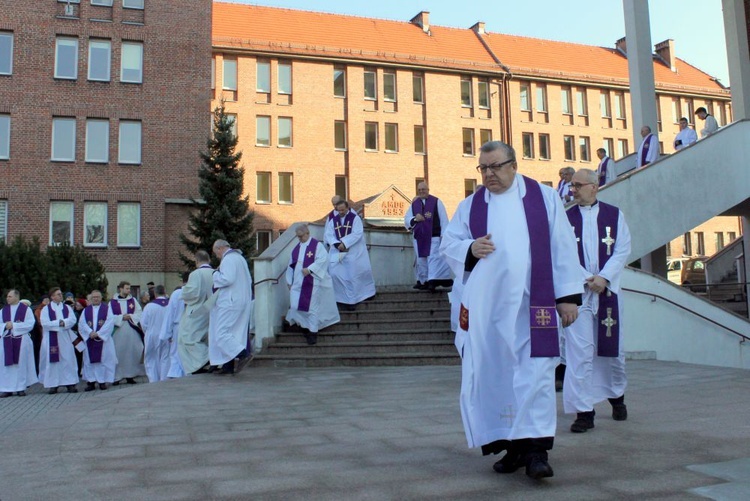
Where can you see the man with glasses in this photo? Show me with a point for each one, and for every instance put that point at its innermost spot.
(512, 246)
(685, 137)
(593, 344)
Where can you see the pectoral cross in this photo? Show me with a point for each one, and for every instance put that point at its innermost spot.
(309, 254)
(609, 322)
(510, 416)
(574, 233)
(608, 240)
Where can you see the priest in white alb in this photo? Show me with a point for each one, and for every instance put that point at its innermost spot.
(57, 357)
(312, 304)
(95, 326)
(513, 246)
(17, 371)
(170, 329)
(197, 294)
(156, 351)
(606, 169)
(127, 335)
(593, 344)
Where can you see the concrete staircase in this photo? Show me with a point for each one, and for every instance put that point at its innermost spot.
(397, 327)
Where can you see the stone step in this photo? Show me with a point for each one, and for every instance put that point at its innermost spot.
(412, 313)
(408, 295)
(286, 349)
(358, 360)
(396, 335)
(425, 301)
(385, 325)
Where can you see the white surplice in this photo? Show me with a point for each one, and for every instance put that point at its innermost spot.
(506, 394)
(104, 371)
(20, 376)
(589, 379)
(192, 345)
(323, 311)
(168, 334)
(350, 271)
(64, 372)
(156, 354)
(128, 342)
(230, 316)
(686, 137)
(609, 174)
(432, 267)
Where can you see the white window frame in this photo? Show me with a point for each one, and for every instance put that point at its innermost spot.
(5, 138)
(108, 43)
(541, 98)
(483, 90)
(391, 129)
(86, 206)
(342, 71)
(530, 137)
(343, 126)
(266, 89)
(104, 3)
(122, 148)
(524, 104)
(133, 45)
(472, 142)
(58, 41)
(71, 220)
(290, 175)
(258, 176)
(420, 132)
(56, 154)
(374, 84)
(284, 81)
(466, 82)
(377, 134)
(278, 132)
(233, 118)
(392, 77)
(566, 100)
(3, 221)
(94, 142)
(8, 34)
(229, 68)
(263, 232)
(133, 4)
(120, 242)
(414, 79)
(267, 120)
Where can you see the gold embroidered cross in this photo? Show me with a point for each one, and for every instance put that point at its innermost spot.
(608, 240)
(543, 317)
(609, 322)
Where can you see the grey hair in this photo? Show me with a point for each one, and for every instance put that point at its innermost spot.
(220, 244)
(589, 175)
(302, 229)
(647, 128)
(570, 170)
(491, 146)
(202, 256)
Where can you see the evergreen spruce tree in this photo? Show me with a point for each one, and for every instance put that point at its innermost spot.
(224, 213)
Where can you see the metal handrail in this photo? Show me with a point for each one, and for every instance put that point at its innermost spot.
(272, 280)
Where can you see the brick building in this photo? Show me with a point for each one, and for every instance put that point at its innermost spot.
(102, 115)
(357, 104)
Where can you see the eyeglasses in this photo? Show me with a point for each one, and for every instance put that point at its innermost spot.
(578, 186)
(495, 168)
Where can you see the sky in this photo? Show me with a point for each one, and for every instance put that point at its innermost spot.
(696, 26)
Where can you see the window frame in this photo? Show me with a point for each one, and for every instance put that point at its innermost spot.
(131, 44)
(120, 242)
(527, 142)
(584, 148)
(93, 141)
(11, 36)
(569, 148)
(127, 124)
(263, 175)
(372, 76)
(266, 119)
(417, 99)
(55, 132)
(279, 143)
(582, 102)
(57, 74)
(229, 68)
(544, 139)
(342, 74)
(606, 99)
(5, 138)
(542, 105)
(260, 76)
(524, 96)
(566, 100)
(483, 94)
(284, 78)
(419, 132)
(393, 98)
(71, 220)
(140, 4)
(97, 3)
(4, 221)
(482, 134)
(93, 41)
(471, 142)
(466, 86)
(290, 176)
(377, 134)
(336, 180)
(86, 242)
(340, 124)
(390, 129)
(269, 233)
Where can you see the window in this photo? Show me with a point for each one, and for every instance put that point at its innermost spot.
(582, 105)
(544, 151)
(701, 244)
(132, 4)
(263, 187)
(525, 96)
(466, 100)
(570, 149)
(213, 73)
(341, 188)
(97, 141)
(128, 224)
(131, 67)
(470, 186)
(339, 82)
(232, 120)
(676, 110)
(285, 188)
(99, 60)
(371, 136)
(3, 221)
(263, 82)
(732, 235)
(687, 245)
(4, 137)
(528, 144)
(565, 101)
(95, 224)
(285, 132)
(690, 110)
(419, 146)
(371, 85)
(391, 138)
(106, 3)
(417, 82)
(389, 87)
(609, 146)
(285, 78)
(485, 136)
(66, 58)
(64, 139)
(130, 142)
(658, 114)
(229, 74)
(60, 223)
(541, 98)
(6, 53)
(262, 240)
(622, 148)
(263, 131)
(584, 146)
(604, 104)
(483, 91)
(619, 105)
(339, 136)
(719, 240)
(468, 142)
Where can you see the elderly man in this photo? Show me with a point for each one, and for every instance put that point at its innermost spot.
(606, 169)
(192, 346)
(512, 244)
(334, 201)
(156, 352)
(127, 335)
(57, 360)
(230, 316)
(685, 137)
(17, 370)
(648, 151)
(312, 304)
(427, 219)
(99, 359)
(563, 186)
(593, 344)
(349, 263)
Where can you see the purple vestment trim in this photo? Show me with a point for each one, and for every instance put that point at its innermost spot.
(423, 229)
(332, 215)
(54, 345)
(11, 343)
(343, 230)
(117, 310)
(161, 301)
(305, 293)
(644, 150)
(95, 346)
(603, 171)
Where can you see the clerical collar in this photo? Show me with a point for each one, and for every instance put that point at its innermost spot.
(592, 205)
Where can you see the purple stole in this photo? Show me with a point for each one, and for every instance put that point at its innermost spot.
(542, 314)
(54, 345)
(305, 293)
(11, 343)
(423, 230)
(116, 310)
(92, 345)
(562, 192)
(161, 301)
(603, 171)
(332, 215)
(644, 149)
(608, 314)
(343, 230)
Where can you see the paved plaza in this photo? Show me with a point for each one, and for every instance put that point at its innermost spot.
(370, 433)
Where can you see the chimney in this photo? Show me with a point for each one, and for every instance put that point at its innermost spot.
(479, 28)
(422, 20)
(665, 50)
(622, 46)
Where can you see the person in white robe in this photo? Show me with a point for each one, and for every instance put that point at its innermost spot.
(606, 168)
(197, 294)
(591, 378)
(170, 329)
(95, 326)
(710, 125)
(427, 219)
(230, 316)
(16, 374)
(648, 151)
(156, 351)
(563, 186)
(127, 335)
(507, 388)
(349, 262)
(685, 137)
(57, 358)
(311, 307)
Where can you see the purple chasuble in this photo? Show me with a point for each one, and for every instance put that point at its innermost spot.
(54, 345)
(542, 314)
(11, 343)
(94, 346)
(423, 229)
(644, 150)
(608, 314)
(305, 293)
(603, 171)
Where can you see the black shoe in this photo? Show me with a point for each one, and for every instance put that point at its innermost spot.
(418, 286)
(619, 412)
(116, 383)
(21, 393)
(584, 421)
(6, 394)
(102, 386)
(72, 388)
(537, 467)
(131, 380)
(511, 462)
(52, 391)
(90, 387)
(559, 377)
